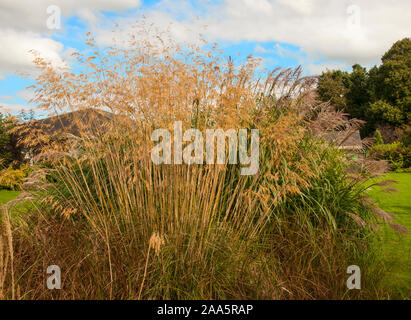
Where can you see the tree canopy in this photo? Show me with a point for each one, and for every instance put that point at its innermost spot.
(380, 96)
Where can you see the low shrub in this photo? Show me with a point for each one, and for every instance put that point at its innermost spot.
(397, 154)
(378, 137)
(12, 179)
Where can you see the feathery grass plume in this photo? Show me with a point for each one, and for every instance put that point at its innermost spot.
(156, 242)
(378, 212)
(399, 228)
(357, 219)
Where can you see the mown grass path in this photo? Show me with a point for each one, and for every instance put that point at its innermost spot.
(7, 195)
(396, 247)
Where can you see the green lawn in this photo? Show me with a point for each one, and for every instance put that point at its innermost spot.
(396, 247)
(7, 195)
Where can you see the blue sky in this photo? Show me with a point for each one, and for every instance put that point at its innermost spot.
(317, 34)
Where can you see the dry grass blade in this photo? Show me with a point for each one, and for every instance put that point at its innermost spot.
(398, 228)
(10, 253)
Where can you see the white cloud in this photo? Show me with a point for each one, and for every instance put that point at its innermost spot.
(311, 63)
(23, 27)
(319, 27)
(260, 49)
(180, 31)
(14, 108)
(31, 15)
(7, 98)
(316, 69)
(300, 6)
(242, 8)
(15, 55)
(26, 94)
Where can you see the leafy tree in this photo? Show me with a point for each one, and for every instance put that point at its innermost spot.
(405, 135)
(10, 153)
(380, 96)
(333, 87)
(383, 112)
(392, 82)
(358, 95)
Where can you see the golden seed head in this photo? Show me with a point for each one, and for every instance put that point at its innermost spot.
(156, 242)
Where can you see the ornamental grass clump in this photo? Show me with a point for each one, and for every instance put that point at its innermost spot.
(122, 227)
